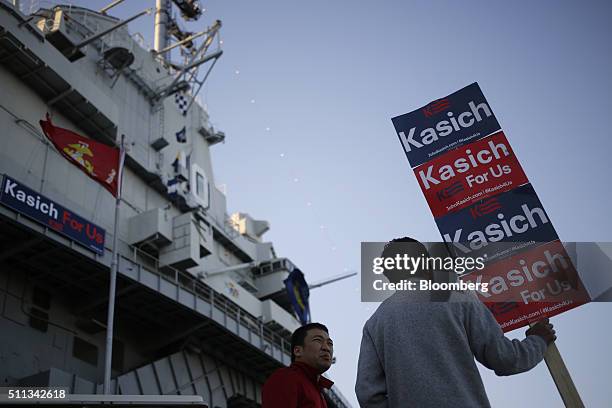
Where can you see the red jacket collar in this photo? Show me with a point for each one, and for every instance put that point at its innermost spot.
(312, 374)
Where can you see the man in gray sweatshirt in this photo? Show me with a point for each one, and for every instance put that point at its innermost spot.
(416, 352)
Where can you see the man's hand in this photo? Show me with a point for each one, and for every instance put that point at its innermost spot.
(544, 329)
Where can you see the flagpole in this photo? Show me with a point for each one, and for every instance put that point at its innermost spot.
(113, 282)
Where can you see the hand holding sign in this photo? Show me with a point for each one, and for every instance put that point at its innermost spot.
(544, 329)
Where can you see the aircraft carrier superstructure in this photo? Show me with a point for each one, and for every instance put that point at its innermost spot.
(201, 307)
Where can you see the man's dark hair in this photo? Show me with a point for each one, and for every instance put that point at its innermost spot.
(401, 246)
(299, 335)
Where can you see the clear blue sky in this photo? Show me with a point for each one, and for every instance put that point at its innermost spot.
(326, 77)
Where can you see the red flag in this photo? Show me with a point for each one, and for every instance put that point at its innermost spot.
(99, 161)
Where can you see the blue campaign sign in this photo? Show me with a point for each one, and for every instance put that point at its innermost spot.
(460, 118)
(28, 202)
(516, 217)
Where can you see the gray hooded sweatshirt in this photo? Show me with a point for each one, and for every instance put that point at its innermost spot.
(418, 353)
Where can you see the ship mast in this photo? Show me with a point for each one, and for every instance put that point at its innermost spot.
(166, 28)
(161, 25)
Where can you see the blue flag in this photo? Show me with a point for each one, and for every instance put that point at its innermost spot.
(181, 135)
(172, 187)
(298, 292)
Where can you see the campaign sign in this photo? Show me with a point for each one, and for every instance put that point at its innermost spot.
(460, 118)
(469, 174)
(513, 315)
(47, 212)
(543, 274)
(516, 216)
(541, 282)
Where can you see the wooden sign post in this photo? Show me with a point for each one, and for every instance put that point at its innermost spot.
(561, 377)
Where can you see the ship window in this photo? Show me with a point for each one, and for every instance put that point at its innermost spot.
(39, 320)
(85, 351)
(200, 185)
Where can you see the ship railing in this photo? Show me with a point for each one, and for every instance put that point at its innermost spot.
(35, 5)
(194, 285)
(80, 24)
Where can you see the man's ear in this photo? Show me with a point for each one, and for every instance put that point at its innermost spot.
(297, 351)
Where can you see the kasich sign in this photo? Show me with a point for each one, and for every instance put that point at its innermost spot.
(540, 282)
(484, 206)
(47, 212)
(460, 118)
(516, 216)
(470, 174)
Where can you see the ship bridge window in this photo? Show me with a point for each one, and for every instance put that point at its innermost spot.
(200, 190)
(199, 185)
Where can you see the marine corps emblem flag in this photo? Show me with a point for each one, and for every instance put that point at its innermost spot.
(100, 162)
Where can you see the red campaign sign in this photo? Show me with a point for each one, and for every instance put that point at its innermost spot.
(529, 286)
(470, 174)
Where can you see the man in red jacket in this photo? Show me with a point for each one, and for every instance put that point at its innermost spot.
(300, 385)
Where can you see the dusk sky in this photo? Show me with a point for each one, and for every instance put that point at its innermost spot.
(305, 92)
